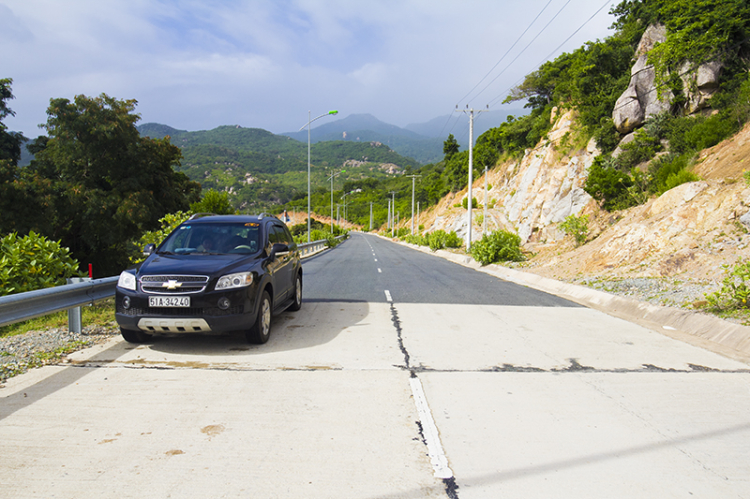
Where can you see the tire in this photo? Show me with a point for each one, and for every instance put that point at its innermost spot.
(260, 331)
(134, 336)
(297, 303)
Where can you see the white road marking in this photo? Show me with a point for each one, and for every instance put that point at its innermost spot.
(431, 436)
(380, 271)
(388, 296)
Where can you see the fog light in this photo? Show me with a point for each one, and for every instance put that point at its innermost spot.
(126, 302)
(224, 303)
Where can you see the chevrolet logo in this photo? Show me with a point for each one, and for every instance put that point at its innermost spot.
(171, 285)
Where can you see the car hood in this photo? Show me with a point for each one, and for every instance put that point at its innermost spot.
(194, 264)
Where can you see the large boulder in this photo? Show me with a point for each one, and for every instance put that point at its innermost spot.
(641, 100)
(700, 84)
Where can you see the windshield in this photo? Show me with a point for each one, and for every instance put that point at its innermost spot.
(213, 239)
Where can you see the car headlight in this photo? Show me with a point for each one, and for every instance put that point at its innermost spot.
(239, 280)
(127, 281)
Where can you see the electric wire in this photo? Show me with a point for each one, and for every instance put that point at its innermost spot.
(506, 52)
(494, 101)
(524, 49)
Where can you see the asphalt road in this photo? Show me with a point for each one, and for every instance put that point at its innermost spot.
(403, 376)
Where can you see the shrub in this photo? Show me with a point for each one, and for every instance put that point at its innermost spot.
(417, 239)
(474, 203)
(436, 240)
(608, 185)
(496, 247)
(33, 262)
(679, 178)
(452, 240)
(735, 288)
(644, 147)
(578, 227)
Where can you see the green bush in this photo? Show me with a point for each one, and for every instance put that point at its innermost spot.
(436, 240)
(643, 148)
(679, 178)
(474, 203)
(735, 288)
(608, 185)
(441, 239)
(578, 227)
(500, 246)
(452, 240)
(33, 262)
(417, 239)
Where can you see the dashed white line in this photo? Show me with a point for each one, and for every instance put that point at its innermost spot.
(380, 271)
(388, 296)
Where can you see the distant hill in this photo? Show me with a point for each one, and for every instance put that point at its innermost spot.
(421, 141)
(261, 167)
(367, 128)
(458, 125)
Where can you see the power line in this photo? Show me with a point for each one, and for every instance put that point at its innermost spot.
(493, 101)
(507, 51)
(524, 49)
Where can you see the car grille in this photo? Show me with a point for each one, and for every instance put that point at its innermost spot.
(179, 312)
(179, 284)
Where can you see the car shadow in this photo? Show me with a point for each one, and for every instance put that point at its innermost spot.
(317, 323)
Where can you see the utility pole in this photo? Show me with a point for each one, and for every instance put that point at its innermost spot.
(417, 215)
(393, 204)
(333, 175)
(413, 183)
(484, 218)
(471, 163)
(370, 216)
(388, 219)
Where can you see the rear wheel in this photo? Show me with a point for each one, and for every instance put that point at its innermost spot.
(134, 336)
(297, 304)
(260, 331)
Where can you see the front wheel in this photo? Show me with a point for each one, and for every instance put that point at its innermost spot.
(134, 336)
(297, 304)
(260, 331)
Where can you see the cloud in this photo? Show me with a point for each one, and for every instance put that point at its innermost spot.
(264, 63)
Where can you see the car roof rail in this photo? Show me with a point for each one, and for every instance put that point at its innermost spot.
(196, 216)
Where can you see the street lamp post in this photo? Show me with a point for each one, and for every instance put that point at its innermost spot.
(309, 121)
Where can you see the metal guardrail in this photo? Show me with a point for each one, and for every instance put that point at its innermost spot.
(25, 306)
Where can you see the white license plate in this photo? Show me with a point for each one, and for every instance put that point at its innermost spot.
(168, 301)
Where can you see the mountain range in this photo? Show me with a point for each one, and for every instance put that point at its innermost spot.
(421, 141)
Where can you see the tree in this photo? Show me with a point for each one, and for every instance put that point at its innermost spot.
(214, 202)
(450, 147)
(105, 183)
(14, 197)
(10, 142)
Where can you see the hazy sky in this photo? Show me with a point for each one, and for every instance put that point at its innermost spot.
(196, 65)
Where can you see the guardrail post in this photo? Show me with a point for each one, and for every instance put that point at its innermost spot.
(75, 319)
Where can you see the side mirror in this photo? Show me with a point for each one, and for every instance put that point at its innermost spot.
(279, 249)
(148, 249)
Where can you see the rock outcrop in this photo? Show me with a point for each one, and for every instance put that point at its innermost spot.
(700, 84)
(642, 99)
(528, 197)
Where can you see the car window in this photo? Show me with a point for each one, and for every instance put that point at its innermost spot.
(281, 234)
(212, 239)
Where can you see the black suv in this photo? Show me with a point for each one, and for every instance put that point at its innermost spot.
(212, 274)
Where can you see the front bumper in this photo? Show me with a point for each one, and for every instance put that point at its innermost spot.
(203, 316)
